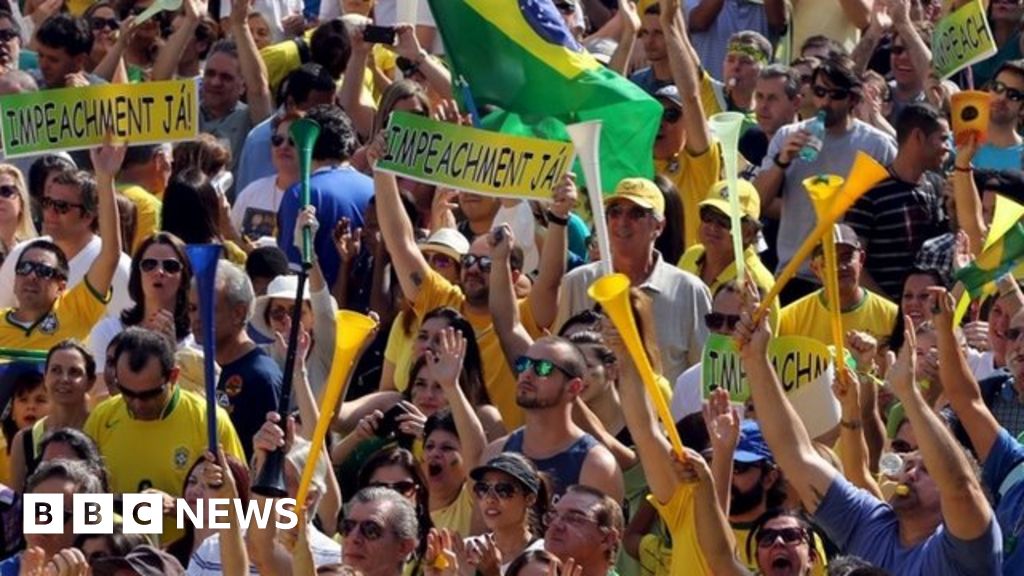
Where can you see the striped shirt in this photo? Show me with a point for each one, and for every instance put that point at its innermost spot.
(893, 220)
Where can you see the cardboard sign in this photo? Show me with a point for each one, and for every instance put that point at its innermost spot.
(474, 160)
(804, 367)
(961, 39)
(76, 118)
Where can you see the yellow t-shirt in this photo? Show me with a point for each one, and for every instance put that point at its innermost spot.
(498, 378)
(398, 350)
(157, 454)
(147, 212)
(283, 57)
(679, 519)
(693, 176)
(457, 516)
(693, 260)
(72, 316)
(809, 317)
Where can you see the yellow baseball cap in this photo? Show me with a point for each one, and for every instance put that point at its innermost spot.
(750, 202)
(639, 191)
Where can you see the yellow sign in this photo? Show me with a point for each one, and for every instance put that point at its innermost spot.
(961, 39)
(76, 118)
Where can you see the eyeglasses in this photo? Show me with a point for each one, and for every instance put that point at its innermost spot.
(7, 35)
(542, 368)
(8, 191)
(440, 261)
(99, 23)
(718, 321)
(832, 93)
(768, 536)
(42, 271)
(1013, 334)
(143, 395)
(633, 212)
(279, 313)
(1012, 94)
(744, 467)
(59, 206)
(470, 260)
(671, 115)
(500, 490)
(277, 140)
(368, 528)
(714, 217)
(571, 518)
(404, 487)
(169, 265)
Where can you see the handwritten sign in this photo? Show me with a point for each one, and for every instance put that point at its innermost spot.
(474, 160)
(76, 118)
(961, 39)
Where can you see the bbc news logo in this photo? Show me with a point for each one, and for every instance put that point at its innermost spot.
(143, 513)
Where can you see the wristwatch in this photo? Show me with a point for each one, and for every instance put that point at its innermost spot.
(556, 219)
(778, 161)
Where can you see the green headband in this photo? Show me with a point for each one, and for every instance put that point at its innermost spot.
(748, 50)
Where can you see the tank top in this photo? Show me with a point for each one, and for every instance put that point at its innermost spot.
(563, 468)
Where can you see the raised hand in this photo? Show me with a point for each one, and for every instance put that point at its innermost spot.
(347, 241)
(501, 241)
(411, 423)
(962, 255)
(306, 218)
(565, 195)
(902, 373)
(723, 422)
(864, 347)
(752, 337)
(692, 468)
(847, 390)
(406, 43)
(630, 16)
(217, 475)
(107, 158)
(377, 149)
(441, 557)
(444, 363)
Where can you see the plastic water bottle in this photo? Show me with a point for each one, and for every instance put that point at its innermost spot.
(817, 129)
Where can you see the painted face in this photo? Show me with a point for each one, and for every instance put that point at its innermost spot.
(442, 460)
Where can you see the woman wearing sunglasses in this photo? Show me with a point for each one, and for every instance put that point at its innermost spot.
(106, 25)
(158, 283)
(15, 214)
(259, 200)
(512, 498)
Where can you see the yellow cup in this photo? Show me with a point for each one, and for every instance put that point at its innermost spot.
(970, 115)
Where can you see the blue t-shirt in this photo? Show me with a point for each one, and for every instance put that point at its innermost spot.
(862, 525)
(249, 388)
(646, 80)
(11, 566)
(337, 192)
(995, 158)
(254, 162)
(1003, 475)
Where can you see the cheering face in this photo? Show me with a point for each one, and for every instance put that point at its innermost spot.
(502, 501)
(937, 147)
(476, 271)
(427, 394)
(917, 300)
(160, 271)
(783, 548)
(903, 69)
(64, 214)
(222, 82)
(442, 461)
(922, 491)
(653, 38)
(66, 379)
(40, 282)
(1007, 102)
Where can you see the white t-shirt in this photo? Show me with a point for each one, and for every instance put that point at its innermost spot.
(687, 397)
(273, 11)
(982, 364)
(386, 13)
(520, 219)
(254, 213)
(77, 267)
(105, 330)
(206, 559)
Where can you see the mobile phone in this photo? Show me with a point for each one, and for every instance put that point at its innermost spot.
(379, 34)
(388, 426)
(498, 234)
(222, 182)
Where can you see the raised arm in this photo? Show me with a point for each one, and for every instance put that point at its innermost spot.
(351, 91)
(410, 45)
(106, 161)
(220, 483)
(254, 71)
(854, 449)
(965, 193)
(723, 423)
(686, 74)
(965, 511)
(715, 536)
(410, 265)
(961, 388)
(808, 473)
(544, 295)
(623, 53)
(445, 366)
(915, 45)
(512, 335)
(857, 11)
(778, 19)
(880, 23)
(167, 60)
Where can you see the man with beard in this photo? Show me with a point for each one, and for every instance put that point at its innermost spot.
(894, 218)
(550, 378)
(863, 310)
(426, 290)
(937, 522)
(1005, 147)
(836, 91)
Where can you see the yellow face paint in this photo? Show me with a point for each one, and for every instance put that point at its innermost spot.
(902, 490)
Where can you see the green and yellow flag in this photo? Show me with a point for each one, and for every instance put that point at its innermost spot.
(995, 261)
(520, 58)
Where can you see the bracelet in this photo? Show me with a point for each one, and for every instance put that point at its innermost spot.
(778, 161)
(959, 169)
(556, 219)
(851, 424)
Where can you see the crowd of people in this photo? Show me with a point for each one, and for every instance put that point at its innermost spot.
(495, 421)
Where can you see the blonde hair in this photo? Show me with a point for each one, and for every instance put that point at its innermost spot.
(26, 230)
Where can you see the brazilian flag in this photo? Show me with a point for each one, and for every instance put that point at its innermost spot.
(519, 57)
(16, 365)
(995, 261)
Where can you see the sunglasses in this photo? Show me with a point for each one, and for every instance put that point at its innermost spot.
(768, 536)
(99, 23)
(404, 487)
(542, 368)
(500, 490)
(671, 115)
(717, 321)
(279, 313)
(898, 50)
(143, 395)
(744, 467)
(440, 261)
(8, 191)
(1012, 94)
(42, 271)
(633, 212)
(59, 206)
(470, 260)
(1012, 334)
(712, 216)
(277, 140)
(7, 35)
(832, 93)
(169, 265)
(368, 528)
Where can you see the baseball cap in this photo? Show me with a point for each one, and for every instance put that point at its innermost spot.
(515, 465)
(143, 560)
(447, 241)
(841, 234)
(670, 93)
(751, 446)
(639, 191)
(750, 202)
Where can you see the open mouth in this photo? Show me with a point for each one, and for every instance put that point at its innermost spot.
(434, 469)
